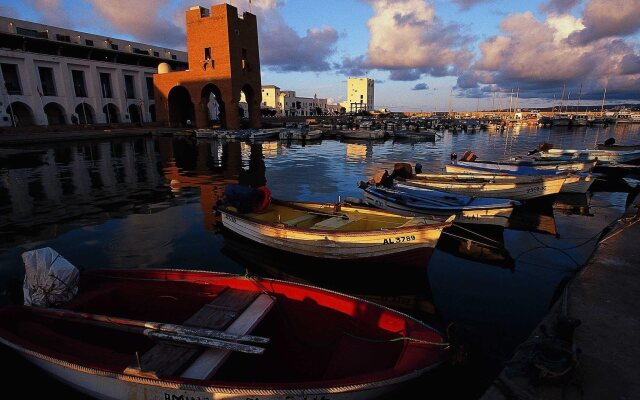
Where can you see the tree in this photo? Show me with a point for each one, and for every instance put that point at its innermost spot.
(343, 111)
(318, 111)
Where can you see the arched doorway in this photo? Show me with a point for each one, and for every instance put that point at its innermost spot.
(55, 114)
(134, 114)
(152, 112)
(20, 114)
(181, 109)
(246, 106)
(85, 114)
(212, 101)
(111, 113)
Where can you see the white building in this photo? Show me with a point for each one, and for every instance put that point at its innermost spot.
(360, 95)
(55, 76)
(287, 103)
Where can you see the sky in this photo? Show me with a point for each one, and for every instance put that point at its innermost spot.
(424, 55)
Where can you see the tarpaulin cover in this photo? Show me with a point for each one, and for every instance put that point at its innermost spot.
(50, 280)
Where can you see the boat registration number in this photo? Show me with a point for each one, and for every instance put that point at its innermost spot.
(399, 239)
(230, 218)
(536, 189)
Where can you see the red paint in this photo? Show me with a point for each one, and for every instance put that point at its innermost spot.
(307, 327)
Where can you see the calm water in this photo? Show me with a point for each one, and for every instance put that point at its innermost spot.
(147, 202)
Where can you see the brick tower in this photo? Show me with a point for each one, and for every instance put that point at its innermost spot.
(224, 62)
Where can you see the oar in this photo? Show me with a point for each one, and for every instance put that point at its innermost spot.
(178, 333)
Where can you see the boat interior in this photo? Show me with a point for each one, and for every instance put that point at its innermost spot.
(316, 338)
(326, 217)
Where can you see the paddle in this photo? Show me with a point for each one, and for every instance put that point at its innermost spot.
(170, 332)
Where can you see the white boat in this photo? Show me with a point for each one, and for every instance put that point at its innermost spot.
(262, 134)
(624, 116)
(521, 167)
(298, 134)
(409, 201)
(363, 134)
(338, 232)
(502, 186)
(602, 156)
(561, 120)
(579, 120)
(215, 134)
(517, 187)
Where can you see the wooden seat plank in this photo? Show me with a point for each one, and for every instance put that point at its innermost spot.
(332, 223)
(168, 359)
(210, 361)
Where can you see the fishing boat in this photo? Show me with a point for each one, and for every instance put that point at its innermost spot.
(363, 134)
(561, 120)
(263, 134)
(411, 201)
(521, 167)
(503, 186)
(579, 120)
(179, 334)
(336, 231)
(602, 156)
(296, 134)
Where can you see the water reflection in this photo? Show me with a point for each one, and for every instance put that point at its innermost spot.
(147, 203)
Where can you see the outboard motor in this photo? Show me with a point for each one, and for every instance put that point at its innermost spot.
(454, 157)
(418, 168)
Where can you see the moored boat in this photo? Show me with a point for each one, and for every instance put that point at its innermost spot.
(338, 232)
(503, 186)
(602, 156)
(363, 134)
(468, 210)
(521, 167)
(317, 343)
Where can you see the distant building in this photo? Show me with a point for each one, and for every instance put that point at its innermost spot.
(57, 76)
(287, 103)
(360, 95)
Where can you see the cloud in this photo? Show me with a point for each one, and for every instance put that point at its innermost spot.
(409, 40)
(537, 57)
(421, 86)
(124, 16)
(558, 6)
(283, 49)
(466, 4)
(51, 12)
(608, 18)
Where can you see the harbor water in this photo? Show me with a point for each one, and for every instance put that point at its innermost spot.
(148, 202)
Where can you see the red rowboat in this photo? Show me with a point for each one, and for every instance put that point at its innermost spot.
(316, 344)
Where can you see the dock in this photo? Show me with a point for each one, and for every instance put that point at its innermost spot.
(18, 138)
(604, 361)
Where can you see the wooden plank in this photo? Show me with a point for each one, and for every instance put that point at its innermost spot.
(166, 359)
(209, 362)
(302, 218)
(332, 223)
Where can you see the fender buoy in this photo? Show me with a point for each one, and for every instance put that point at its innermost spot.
(263, 198)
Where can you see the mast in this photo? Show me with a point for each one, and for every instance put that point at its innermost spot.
(604, 95)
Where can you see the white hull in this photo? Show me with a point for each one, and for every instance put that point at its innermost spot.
(514, 168)
(600, 155)
(335, 245)
(495, 216)
(112, 386)
(507, 187)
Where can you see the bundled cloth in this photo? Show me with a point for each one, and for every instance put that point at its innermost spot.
(50, 280)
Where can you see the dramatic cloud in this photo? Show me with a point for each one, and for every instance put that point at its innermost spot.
(558, 6)
(421, 86)
(536, 57)
(408, 39)
(608, 18)
(282, 49)
(51, 12)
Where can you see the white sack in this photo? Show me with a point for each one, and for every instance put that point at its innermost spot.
(50, 280)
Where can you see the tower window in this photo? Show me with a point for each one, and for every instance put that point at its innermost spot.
(207, 53)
